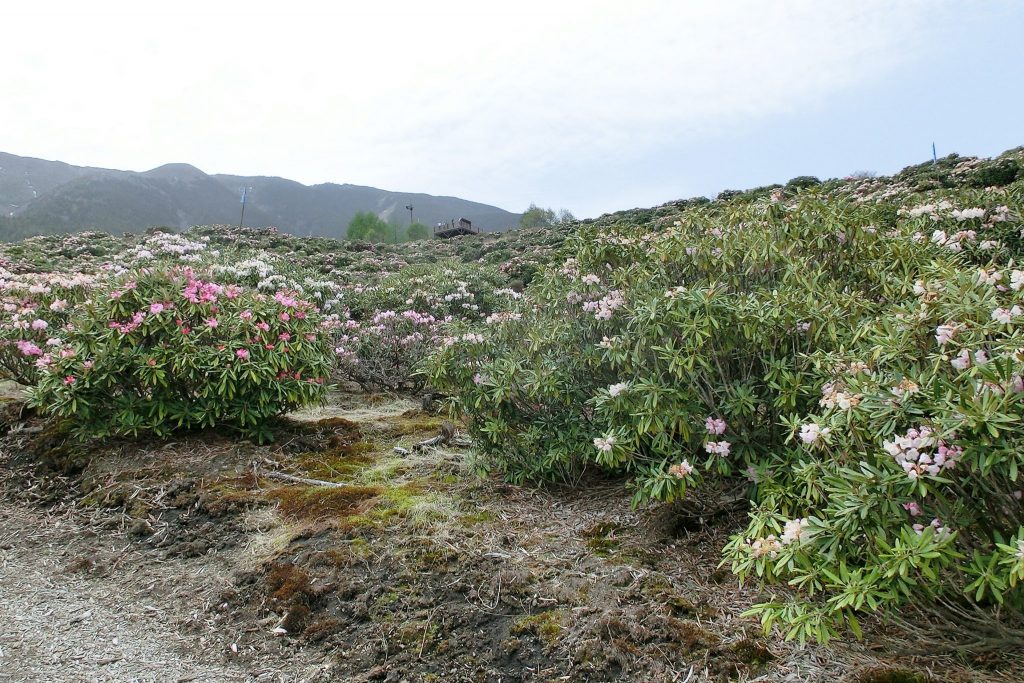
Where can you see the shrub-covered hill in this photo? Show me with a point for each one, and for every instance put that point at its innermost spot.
(844, 355)
(842, 359)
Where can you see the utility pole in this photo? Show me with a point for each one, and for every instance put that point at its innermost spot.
(935, 157)
(409, 208)
(245, 196)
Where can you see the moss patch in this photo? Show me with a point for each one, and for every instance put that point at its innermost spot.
(545, 625)
(887, 675)
(323, 502)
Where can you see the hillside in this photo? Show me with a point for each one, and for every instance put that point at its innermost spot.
(46, 197)
(771, 436)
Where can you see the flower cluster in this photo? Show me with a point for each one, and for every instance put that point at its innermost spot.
(920, 452)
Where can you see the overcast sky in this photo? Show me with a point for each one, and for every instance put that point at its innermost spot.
(591, 106)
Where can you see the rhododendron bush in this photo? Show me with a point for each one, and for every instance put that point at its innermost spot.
(155, 350)
(853, 360)
(390, 327)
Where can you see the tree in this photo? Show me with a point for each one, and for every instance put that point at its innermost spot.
(536, 217)
(369, 227)
(417, 231)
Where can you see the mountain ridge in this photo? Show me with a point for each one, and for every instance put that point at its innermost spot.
(39, 196)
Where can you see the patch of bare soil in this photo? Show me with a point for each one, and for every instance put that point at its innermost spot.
(329, 556)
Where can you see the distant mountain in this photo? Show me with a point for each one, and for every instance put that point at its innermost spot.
(43, 197)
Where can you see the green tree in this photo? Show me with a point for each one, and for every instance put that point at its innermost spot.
(369, 227)
(417, 231)
(537, 217)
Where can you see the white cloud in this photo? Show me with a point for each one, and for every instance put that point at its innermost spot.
(446, 97)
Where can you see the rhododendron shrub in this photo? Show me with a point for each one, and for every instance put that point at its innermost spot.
(860, 379)
(393, 325)
(159, 350)
(36, 309)
(386, 350)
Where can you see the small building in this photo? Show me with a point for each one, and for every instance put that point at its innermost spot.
(453, 228)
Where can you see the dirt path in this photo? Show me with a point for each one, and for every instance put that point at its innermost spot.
(75, 606)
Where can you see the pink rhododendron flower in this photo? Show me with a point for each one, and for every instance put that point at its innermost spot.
(810, 433)
(605, 445)
(28, 348)
(794, 530)
(1005, 316)
(616, 389)
(720, 448)
(69, 380)
(944, 333)
(714, 425)
(212, 322)
(242, 354)
(245, 315)
(40, 324)
(683, 469)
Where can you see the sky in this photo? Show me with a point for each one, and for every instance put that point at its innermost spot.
(590, 106)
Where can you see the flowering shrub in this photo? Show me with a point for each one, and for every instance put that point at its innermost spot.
(386, 350)
(394, 324)
(158, 350)
(35, 313)
(852, 355)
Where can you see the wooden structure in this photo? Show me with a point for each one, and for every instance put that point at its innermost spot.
(453, 228)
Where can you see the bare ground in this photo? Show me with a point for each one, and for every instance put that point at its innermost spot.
(187, 561)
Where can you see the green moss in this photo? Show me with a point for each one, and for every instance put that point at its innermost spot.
(337, 465)
(318, 502)
(416, 422)
(545, 625)
(887, 675)
(478, 517)
(601, 539)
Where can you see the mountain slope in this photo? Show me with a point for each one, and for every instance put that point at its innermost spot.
(325, 210)
(42, 197)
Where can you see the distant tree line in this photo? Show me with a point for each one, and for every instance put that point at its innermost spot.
(367, 226)
(537, 217)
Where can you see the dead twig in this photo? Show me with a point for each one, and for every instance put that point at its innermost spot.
(303, 480)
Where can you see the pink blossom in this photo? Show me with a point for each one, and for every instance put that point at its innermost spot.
(715, 425)
(810, 433)
(156, 308)
(962, 360)
(720, 448)
(28, 348)
(944, 333)
(212, 322)
(245, 315)
(69, 380)
(681, 470)
(242, 354)
(40, 324)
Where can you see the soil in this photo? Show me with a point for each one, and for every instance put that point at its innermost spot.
(191, 560)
